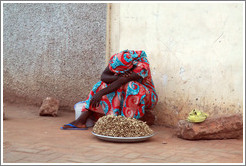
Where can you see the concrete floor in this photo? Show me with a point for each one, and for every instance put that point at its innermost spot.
(29, 138)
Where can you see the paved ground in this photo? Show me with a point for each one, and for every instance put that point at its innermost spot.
(29, 138)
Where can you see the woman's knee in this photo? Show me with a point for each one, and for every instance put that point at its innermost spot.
(132, 84)
(136, 87)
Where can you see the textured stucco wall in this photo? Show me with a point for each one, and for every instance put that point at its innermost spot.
(52, 50)
(195, 52)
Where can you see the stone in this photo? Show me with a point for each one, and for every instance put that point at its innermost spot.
(223, 127)
(149, 118)
(49, 106)
(164, 142)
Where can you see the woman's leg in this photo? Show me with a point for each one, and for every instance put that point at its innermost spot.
(81, 120)
(86, 112)
(134, 100)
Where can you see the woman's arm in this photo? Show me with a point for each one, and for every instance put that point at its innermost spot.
(113, 87)
(118, 83)
(108, 76)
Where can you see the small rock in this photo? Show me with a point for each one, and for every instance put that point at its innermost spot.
(49, 106)
(164, 142)
(223, 127)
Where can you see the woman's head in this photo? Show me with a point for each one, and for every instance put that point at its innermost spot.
(125, 60)
(121, 62)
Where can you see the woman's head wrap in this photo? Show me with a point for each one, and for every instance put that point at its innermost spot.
(121, 62)
(125, 60)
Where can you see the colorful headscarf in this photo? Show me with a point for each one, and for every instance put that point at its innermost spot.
(124, 60)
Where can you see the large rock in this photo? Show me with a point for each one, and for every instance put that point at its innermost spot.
(223, 127)
(49, 106)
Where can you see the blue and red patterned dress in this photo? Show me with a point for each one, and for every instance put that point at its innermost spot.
(131, 99)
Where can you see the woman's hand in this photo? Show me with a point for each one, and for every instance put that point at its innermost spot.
(126, 74)
(95, 100)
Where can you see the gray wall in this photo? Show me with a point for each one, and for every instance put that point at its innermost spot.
(53, 50)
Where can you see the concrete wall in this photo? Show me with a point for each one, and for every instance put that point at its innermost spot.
(52, 50)
(195, 52)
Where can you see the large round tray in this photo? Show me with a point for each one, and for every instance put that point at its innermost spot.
(123, 139)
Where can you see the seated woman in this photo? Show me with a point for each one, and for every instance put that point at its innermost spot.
(126, 88)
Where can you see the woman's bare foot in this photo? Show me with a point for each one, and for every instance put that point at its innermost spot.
(74, 123)
(80, 122)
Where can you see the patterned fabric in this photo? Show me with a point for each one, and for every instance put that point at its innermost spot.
(131, 99)
(121, 62)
